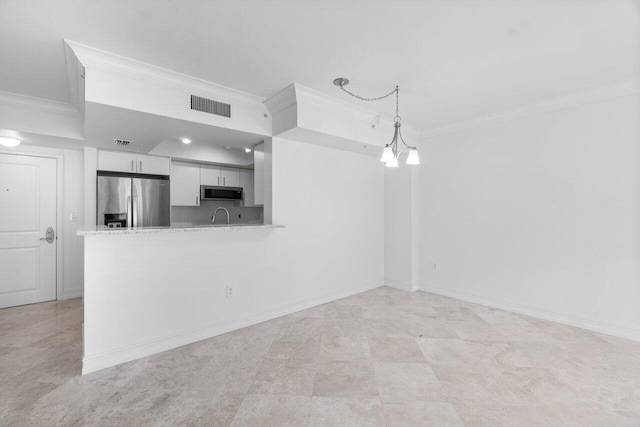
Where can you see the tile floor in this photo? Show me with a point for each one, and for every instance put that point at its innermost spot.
(384, 357)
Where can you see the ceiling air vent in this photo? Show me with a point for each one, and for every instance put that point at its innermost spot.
(121, 142)
(210, 106)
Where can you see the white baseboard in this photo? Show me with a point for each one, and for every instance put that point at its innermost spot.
(73, 293)
(403, 286)
(622, 331)
(117, 356)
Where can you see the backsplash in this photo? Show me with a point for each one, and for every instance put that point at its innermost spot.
(199, 215)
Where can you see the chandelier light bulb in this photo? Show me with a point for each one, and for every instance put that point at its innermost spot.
(413, 158)
(387, 154)
(393, 163)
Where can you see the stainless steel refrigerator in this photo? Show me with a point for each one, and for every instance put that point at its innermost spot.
(126, 200)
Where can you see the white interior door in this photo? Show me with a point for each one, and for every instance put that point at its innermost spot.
(27, 210)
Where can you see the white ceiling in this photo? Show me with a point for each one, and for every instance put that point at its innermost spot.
(454, 60)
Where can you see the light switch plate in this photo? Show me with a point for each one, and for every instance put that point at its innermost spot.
(73, 217)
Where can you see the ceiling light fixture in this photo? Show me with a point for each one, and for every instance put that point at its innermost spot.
(391, 151)
(247, 150)
(185, 140)
(9, 142)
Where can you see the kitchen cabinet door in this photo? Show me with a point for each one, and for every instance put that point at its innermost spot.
(210, 175)
(153, 165)
(115, 161)
(230, 177)
(185, 184)
(246, 182)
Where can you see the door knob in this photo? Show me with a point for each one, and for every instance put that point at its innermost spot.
(50, 235)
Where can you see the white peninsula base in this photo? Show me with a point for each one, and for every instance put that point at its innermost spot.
(154, 290)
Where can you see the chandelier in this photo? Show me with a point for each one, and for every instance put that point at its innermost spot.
(391, 152)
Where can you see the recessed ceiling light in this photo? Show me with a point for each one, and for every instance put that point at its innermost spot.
(9, 142)
(185, 140)
(247, 150)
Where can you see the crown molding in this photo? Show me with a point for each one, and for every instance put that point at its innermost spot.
(281, 100)
(15, 100)
(37, 116)
(298, 94)
(576, 100)
(325, 102)
(108, 62)
(75, 76)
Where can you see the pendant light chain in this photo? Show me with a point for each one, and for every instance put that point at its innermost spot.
(391, 151)
(372, 99)
(397, 118)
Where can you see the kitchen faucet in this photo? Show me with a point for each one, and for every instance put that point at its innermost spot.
(213, 218)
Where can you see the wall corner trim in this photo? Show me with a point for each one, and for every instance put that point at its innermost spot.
(403, 286)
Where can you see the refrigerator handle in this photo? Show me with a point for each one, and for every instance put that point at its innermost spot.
(129, 211)
(135, 211)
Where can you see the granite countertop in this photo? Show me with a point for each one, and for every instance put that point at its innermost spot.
(100, 230)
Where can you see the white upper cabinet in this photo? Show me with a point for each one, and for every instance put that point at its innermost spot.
(230, 177)
(153, 165)
(185, 184)
(210, 175)
(186, 179)
(116, 161)
(219, 176)
(246, 182)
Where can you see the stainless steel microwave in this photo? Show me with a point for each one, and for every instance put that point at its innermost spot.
(210, 192)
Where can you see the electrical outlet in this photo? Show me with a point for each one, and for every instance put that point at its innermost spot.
(229, 291)
(73, 216)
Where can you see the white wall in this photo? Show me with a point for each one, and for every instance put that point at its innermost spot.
(169, 289)
(400, 217)
(73, 273)
(130, 86)
(90, 185)
(70, 246)
(539, 215)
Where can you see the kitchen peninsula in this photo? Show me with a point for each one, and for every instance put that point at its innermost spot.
(151, 289)
(155, 286)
